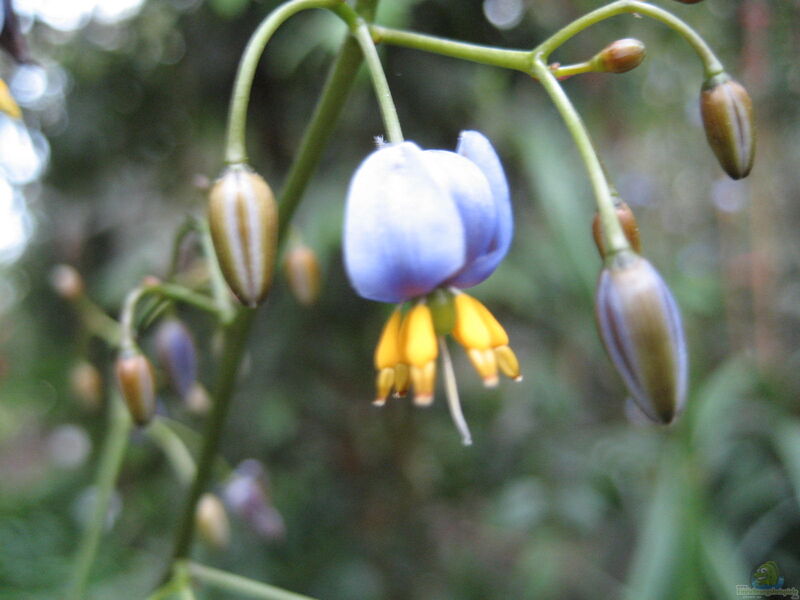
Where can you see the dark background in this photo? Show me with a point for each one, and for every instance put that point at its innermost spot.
(560, 496)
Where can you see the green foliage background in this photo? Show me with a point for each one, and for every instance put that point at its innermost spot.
(560, 497)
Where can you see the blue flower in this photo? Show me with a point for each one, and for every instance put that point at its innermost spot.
(417, 220)
(419, 226)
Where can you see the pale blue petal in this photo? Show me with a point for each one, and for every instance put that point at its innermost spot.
(476, 147)
(469, 189)
(403, 235)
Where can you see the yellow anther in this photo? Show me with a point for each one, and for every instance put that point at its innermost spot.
(471, 330)
(508, 363)
(384, 381)
(400, 380)
(7, 103)
(485, 364)
(498, 335)
(387, 352)
(423, 378)
(418, 338)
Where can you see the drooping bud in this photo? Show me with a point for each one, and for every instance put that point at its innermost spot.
(177, 354)
(629, 227)
(247, 495)
(243, 217)
(138, 385)
(640, 325)
(619, 56)
(86, 384)
(212, 521)
(302, 271)
(727, 113)
(67, 282)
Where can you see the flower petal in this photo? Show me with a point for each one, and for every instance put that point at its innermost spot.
(469, 189)
(403, 235)
(476, 147)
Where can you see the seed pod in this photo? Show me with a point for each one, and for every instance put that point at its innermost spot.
(640, 325)
(244, 227)
(86, 384)
(629, 226)
(302, 271)
(727, 113)
(138, 386)
(67, 282)
(177, 353)
(212, 521)
(620, 56)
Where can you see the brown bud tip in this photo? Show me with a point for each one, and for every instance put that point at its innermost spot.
(620, 56)
(137, 383)
(640, 325)
(302, 271)
(243, 217)
(67, 282)
(727, 113)
(86, 384)
(629, 226)
(212, 521)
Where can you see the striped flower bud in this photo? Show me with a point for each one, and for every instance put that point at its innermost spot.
(243, 217)
(212, 521)
(177, 354)
(619, 56)
(629, 227)
(640, 326)
(302, 271)
(727, 113)
(138, 385)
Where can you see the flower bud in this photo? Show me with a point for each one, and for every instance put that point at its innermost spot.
(212, 521)
(302, 271)
(138, 385)
(177, 354)
(727, 113)
(197, 400)
(640, 326)
(619, 56)
(244, 227)
(66, 282)
(629, 227)
(86, 384)
(247, 496)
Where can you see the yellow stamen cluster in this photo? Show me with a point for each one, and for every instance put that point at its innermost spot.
(407, 351)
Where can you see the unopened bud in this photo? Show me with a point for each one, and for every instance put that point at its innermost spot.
(247, 496)
(212, 521)
(138, 386)
(67, 282)
(197, 400)
(302, 271)
(629, 226)
(177, 354)
(727, 113)
(640, 325)
(243, 217)
(620, 56)
(86, 384)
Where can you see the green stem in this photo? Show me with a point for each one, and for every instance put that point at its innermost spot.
(576, 69)
(518, 60)
(235, 338)
(617, 242)
(712, 66)
(235, 150)
(240, 585)
(188, 226)
(323, 121)
(119, 424)
(98, 322)
(219, 288)
(360, 31)
(178, 293)
(174, 449)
